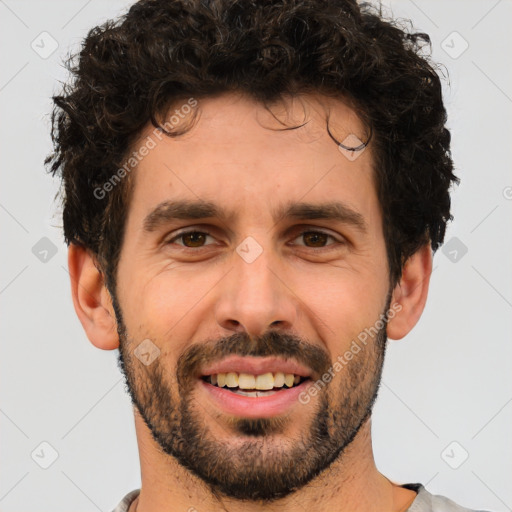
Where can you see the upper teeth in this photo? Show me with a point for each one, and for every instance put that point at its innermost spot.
(247, 381)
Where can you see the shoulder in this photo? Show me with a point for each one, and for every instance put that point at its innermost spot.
(125, 503)
(427, 502)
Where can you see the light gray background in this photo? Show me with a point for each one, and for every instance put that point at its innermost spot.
(449, 380)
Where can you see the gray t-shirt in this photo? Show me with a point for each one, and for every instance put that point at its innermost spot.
(424, 502)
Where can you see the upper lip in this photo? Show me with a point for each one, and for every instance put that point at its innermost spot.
(256, 366)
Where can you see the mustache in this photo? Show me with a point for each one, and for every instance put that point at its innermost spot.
(272, 343)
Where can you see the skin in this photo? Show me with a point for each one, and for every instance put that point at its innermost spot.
(326, 298)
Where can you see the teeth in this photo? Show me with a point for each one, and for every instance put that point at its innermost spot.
(255, 394)
(263, 382)
(288, 379)
(232, 380)
(246, 381)
(279, 379)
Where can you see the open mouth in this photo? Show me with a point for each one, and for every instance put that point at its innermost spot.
(246, 384)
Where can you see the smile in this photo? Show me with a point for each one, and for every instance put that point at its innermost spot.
(245, 384)
(255, 403)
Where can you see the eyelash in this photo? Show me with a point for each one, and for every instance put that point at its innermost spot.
(194, 231)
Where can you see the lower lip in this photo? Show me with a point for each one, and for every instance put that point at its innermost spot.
(254, 407)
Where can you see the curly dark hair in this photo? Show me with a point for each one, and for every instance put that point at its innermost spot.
(131, 69)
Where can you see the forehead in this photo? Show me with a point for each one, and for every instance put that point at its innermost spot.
(237, 152)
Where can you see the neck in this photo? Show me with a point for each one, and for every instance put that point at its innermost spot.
(352, 483)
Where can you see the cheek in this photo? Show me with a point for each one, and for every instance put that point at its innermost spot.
(170, 301)
(158, 310)
(342, 302)
(345, 307)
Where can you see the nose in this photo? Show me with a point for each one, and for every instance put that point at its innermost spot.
(256, 296)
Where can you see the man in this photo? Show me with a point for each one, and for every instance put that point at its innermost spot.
(252, 195)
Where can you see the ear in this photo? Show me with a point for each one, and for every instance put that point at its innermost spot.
(411, 293)
(91, 299)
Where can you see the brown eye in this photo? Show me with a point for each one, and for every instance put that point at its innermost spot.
(191, 239)
(194, 239)
(317, 240)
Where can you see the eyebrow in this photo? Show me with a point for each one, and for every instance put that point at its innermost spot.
(169, 211)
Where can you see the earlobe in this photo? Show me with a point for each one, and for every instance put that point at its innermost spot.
(410, 294)
(91, 299)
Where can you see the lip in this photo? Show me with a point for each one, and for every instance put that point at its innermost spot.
(256, 366)
(253, 407)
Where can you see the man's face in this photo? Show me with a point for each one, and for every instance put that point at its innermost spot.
(255, 292)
